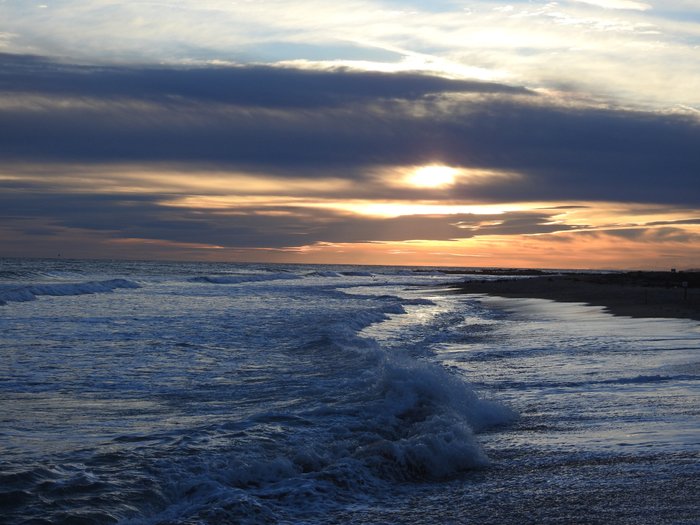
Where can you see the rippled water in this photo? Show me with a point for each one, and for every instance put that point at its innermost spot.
(210, 393)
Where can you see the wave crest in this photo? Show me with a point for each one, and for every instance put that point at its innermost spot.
(31, 292)
(243, 278)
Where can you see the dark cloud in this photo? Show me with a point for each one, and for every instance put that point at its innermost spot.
(656, 235)
(258, 86)
(342, 124)
(248, 227)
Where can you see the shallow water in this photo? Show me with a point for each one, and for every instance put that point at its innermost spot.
(211, 393)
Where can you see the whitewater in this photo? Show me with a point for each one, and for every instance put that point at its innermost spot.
(196, 393)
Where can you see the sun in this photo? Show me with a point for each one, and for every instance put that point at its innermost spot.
(432, 176)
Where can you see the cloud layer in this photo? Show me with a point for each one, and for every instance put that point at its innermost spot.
(286, 130)
(341, 124)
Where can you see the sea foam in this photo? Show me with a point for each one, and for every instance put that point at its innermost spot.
(404, 419)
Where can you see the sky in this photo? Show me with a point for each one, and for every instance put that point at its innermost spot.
(452, 133)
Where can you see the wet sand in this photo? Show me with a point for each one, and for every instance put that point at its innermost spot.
(634, 294)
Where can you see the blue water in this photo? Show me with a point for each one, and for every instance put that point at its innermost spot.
(183, 393)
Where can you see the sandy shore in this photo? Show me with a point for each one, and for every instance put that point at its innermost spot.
(634, 294)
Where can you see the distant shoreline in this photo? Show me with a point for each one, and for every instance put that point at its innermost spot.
(633, 294)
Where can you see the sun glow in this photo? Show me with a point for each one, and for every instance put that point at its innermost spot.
(433, 176)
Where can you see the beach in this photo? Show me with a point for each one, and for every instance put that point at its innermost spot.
(632, 294)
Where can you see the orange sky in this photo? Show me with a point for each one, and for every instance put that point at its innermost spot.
(542, 234)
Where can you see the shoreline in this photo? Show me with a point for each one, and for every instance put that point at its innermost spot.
(631, 294)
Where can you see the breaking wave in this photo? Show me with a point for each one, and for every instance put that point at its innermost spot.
(372, 418)
(243, 278)
(30, 292)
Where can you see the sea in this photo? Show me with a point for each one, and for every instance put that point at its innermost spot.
(210, 393)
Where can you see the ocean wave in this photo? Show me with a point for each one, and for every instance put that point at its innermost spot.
(243, 278)
(404, 418)
(357, 273)
(345, 273)
(338, 417)
(324, 273)
(376, 417)
(30, 292)
(400, 421)
(420, 422)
